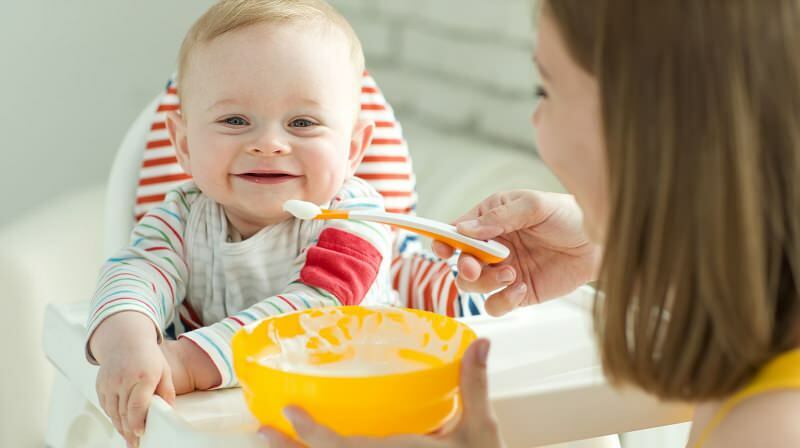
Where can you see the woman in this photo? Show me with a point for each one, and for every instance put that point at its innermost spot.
(675, 126)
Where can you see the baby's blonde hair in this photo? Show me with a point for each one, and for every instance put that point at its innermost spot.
(231, 15)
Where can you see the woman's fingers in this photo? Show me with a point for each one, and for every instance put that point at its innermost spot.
(507, 299)
(311, 432)
(442, 250)
(477, 424)
(277, 439)
(474, 384)
(475, 277)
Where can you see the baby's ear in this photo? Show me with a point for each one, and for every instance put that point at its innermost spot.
(176, 126)
(360, 141)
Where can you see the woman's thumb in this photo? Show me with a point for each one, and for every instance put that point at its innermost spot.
(474, 385)
(502, 219)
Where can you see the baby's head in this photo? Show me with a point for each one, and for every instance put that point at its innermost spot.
(269, 95)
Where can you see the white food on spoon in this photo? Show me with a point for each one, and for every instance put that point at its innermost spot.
(302, 209)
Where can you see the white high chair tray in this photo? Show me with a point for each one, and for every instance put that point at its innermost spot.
(545, 381)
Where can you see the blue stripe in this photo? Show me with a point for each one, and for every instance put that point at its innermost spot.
(174, 215)
(219, 351)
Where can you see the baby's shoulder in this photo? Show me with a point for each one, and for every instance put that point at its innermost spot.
(183, 197)
(356, 188)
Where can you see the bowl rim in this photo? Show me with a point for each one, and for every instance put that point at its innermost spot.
(249, 329)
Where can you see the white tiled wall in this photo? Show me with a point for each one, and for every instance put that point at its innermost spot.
(462, 66)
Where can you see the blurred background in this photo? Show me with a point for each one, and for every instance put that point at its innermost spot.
(75, 75)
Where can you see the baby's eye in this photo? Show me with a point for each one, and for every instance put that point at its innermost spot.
(235, 121)
(302, 123)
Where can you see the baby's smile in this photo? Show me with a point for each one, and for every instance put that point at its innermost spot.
(269, 177)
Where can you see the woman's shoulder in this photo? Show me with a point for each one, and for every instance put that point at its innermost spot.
(766, 420)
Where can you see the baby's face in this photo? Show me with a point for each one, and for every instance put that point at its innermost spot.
(270, 114)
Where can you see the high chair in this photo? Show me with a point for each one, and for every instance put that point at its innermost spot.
(546, 383)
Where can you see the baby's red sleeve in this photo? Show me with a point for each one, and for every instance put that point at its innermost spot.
(343, 264)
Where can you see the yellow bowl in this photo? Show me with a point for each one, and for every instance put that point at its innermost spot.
(368, 371)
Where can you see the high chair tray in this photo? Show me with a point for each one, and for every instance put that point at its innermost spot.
(545, 380)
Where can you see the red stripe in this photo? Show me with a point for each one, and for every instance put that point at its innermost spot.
(189, 325)
(174, 232)
(451, 300)
(236, 319)
(395, 194)
(384, 124)
(377, 159)
(152, 249)
(368, 89)
(387, 141)
(288, 302)
(383, 176)
(162, 179)
(400, 210)
(159, 161)
(173, 90)
(373, 106)
(158, 125)
(167, 107)
(148, 199)
(171, 290)
(147, 305)
(192, 313)
(154, 144)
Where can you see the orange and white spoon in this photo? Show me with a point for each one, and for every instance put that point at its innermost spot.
(490, 252)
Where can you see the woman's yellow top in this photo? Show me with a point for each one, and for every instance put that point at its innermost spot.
(782, 372)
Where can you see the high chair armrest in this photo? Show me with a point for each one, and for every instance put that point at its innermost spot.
(49, 255)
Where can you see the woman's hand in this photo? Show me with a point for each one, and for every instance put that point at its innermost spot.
(550, 252)
(477, 427)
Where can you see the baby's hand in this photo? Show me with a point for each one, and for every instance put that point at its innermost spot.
(132, 369)
(191, 368)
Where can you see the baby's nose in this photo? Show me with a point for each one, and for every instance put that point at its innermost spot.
(273, 148)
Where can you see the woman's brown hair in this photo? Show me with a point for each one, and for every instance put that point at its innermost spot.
(701, 114)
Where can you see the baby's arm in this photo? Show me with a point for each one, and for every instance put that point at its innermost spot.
(135, 298)
(340, 268)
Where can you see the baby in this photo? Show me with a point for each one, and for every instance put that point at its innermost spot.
(269, 112)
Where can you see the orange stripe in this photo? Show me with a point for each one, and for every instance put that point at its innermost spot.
(395, 194)
(384, 176)
(167, 107)
(162, 179)
(172, 90)
(151, 198)
(384, 124)
(372, 106)
(159, 162)
(387, 141)
(158, 125)
(154, 144)
(404, 211)
(367, 89)
(400, 159)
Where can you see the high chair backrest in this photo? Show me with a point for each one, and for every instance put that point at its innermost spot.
(145, 167)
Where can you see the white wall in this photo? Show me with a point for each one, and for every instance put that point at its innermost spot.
(73, 75)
